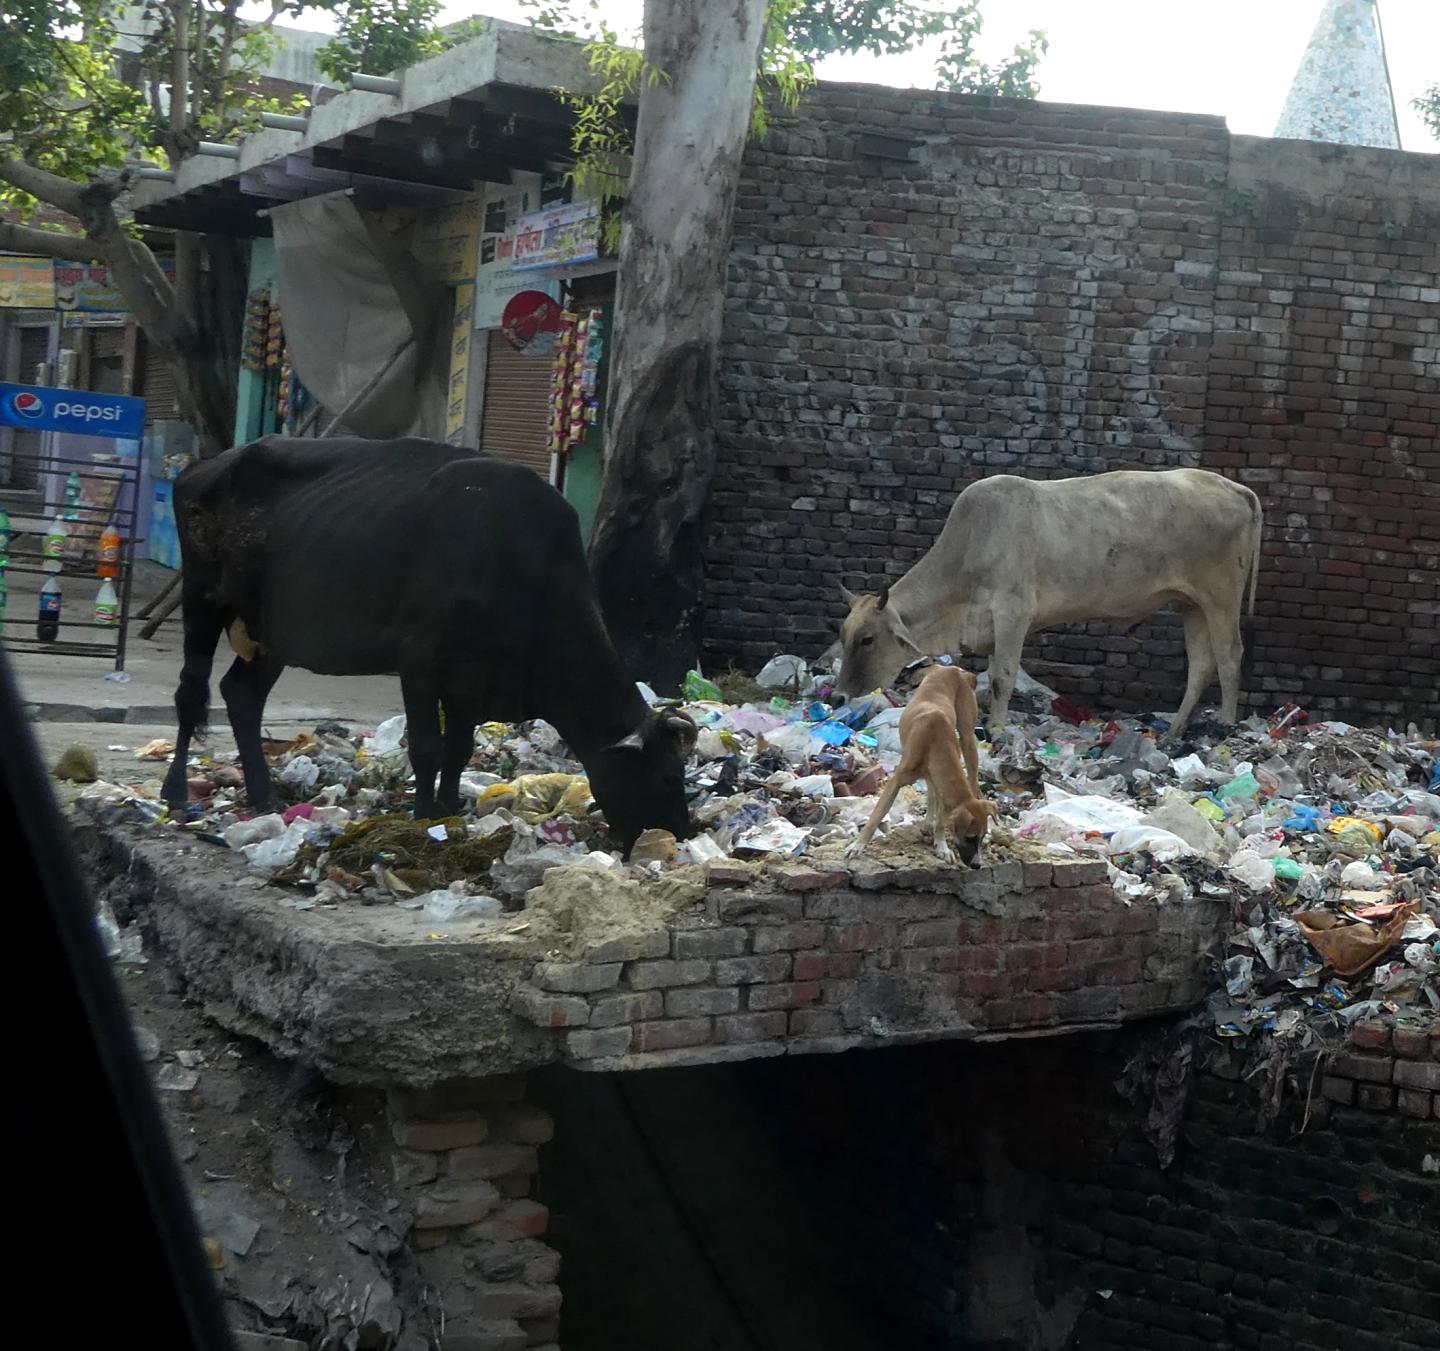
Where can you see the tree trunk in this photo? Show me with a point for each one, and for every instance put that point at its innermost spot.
(674, 245)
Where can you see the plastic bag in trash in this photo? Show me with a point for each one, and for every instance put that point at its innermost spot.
(302, 773)
(387, 737)
(278, 851)
(697, 689)
(258, 828)
(1162, 844)
(1252, 871)
(450, 905)
(783, 671)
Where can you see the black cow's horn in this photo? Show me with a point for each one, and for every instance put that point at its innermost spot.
(684, 727)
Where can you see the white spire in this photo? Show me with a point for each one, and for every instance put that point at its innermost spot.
(1342, 89)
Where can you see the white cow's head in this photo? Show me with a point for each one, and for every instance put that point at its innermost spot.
(875, 645)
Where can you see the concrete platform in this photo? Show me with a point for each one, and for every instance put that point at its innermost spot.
(737, 963)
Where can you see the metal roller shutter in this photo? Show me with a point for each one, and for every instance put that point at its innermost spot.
(516, 412)
(157, 388)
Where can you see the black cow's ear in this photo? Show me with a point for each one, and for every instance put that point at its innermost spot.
(632, 742)
(682, 728)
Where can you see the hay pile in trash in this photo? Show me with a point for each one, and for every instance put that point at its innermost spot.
(1323, 837)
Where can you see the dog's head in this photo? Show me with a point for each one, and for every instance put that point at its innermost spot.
(968, 824)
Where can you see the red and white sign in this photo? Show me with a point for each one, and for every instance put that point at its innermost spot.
(530, 322)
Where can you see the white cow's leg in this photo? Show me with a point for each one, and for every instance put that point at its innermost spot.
(1225, 644)
(1004, 663)
(1200, 662)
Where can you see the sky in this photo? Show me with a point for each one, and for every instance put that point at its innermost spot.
(1234, 58)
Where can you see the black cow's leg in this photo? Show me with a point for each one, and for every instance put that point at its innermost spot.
(422, 732)
(245, 687)
(202, 625)
(459, 746)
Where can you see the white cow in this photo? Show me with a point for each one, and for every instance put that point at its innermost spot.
(1021, 554)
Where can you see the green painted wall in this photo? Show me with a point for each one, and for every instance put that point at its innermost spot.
(586, 464)
(254, 411)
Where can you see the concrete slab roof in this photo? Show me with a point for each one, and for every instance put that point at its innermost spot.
(474, 113)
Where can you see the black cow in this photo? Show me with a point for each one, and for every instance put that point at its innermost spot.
(463, 574)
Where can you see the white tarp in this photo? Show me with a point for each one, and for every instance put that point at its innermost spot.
(367, 329)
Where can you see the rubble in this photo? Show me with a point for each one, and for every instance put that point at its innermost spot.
(1324, 837)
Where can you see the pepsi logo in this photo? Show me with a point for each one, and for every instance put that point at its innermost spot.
(27, 405)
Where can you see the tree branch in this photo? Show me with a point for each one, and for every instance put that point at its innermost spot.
(49, 244)
(51, 188)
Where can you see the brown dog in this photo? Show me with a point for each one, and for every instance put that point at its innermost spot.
(942, 705)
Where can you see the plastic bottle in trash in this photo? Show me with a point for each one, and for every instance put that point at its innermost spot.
(47, 630)
(54, 547)
(107, 606)
(72, 496)
(107, 559)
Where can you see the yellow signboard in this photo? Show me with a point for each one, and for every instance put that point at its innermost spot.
(26, 283)
(446, 238)
(458, 390)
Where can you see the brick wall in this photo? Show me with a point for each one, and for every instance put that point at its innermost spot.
(1011, 1198)
(793, 959)
(1052, 290)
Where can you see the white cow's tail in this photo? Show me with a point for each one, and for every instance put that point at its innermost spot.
(1256, 538)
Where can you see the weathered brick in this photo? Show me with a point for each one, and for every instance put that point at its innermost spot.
(809, 879)
(485, 1334)
(784, 937)
(629, 948)
(751, 908)
(671, 1033)
(1414, 1102)
(1335, 1089)
(749, 970)
(1366, 1068)
(490, 1161)
(627, 1008)
(517, 1300)
(576, 977)
(789, 996)
(1412, 1043)
(587, 1043)
(1418, 1074)
(551, 1010)
(410, 1168)
(745, 1027)
(709, 942)
(454, 1132)
(814, 1022)
(1375, 1097)
(699, 1003)
(452, 1204)
(511, 1220)
(650, 975)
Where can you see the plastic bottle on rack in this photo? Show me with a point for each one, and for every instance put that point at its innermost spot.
(107, 559)
(107, 606)
(72, 496)
(56, 539)
(47, 628)
(4, 538)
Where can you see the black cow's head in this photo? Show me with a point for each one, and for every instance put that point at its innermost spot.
(639, 782)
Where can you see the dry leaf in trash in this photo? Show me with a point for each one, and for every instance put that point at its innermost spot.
(159, 749)
(1350, 949)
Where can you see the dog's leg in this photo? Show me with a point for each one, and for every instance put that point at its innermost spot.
(888, 794)
(935, 812)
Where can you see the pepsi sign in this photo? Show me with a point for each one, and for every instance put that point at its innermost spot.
(38, 409)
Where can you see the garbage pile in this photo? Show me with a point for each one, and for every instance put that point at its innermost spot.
(1324, 837)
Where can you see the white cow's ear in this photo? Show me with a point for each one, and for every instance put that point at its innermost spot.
(897, 627)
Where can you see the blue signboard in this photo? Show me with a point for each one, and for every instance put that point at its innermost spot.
(38, 409)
